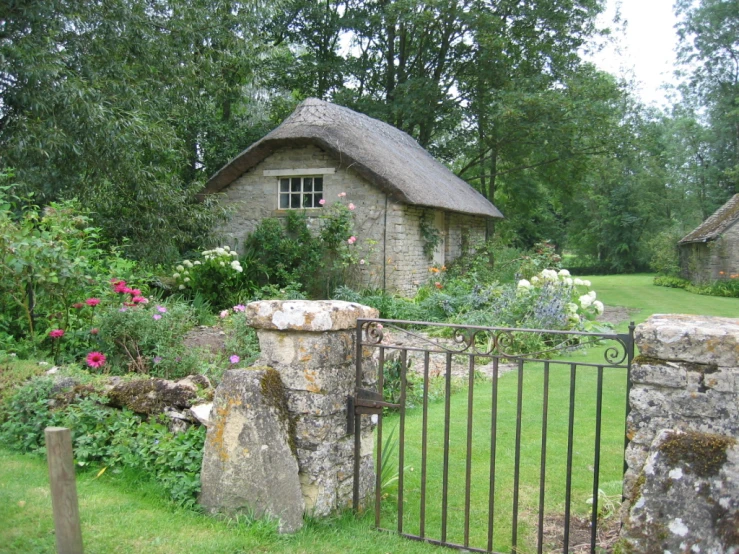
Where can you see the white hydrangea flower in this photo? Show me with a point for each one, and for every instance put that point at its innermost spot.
(187, 263)
(573, 317)
(223, 264)
(220, 251)
(236, 265)
(599, 308)
(234, 253)
(586, 282)
(176, 275)
(524, 284)
(591, 294)
(207, 252)
(196, 262)
(564, 273)
(180, 268)
(567, 281)
(571, 307)
(549, 275)
(186, 279)
(585, 300)
(578, 282)
(534, 280)
(182, 287)
(227, 248)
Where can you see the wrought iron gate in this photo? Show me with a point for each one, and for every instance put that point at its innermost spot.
(491, 483)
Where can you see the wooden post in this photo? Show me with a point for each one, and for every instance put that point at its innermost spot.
(63, 490)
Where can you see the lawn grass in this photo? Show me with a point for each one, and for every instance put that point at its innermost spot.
(126, 514)
(637, 293)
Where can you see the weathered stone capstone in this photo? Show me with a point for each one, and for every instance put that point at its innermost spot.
(306, 315)
(249, 463)
(682, 481)
(690, 338)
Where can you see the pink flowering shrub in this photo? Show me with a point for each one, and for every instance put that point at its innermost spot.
(317, 251)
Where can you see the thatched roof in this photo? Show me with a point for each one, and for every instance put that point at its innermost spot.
(388, 158)
(714, 226)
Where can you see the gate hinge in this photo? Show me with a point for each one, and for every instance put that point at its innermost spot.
(365, 402)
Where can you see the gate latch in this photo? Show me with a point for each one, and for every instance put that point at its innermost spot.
(365, 402)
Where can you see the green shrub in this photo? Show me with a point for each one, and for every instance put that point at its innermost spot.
(116, 439)
(319, 254)
(726, 287)
(219, 277)
(147, 338)
(664, 252)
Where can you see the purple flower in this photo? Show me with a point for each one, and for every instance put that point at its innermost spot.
(157, 359)
(162, 309)
(235, 359)
(239, 308)
(157, 316)
(124, 309)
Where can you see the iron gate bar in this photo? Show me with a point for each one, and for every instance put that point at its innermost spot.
(424, 442)
(465, 340)
(378, 474)
(596, 462)
(570, 436)
(468, 465)
(543, 465)
(401, 436)
(517, 468)
(493, 444)
(447, 408)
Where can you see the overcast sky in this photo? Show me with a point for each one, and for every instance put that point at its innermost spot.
(645, 49)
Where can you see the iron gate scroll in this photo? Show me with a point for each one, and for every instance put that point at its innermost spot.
(498, 446)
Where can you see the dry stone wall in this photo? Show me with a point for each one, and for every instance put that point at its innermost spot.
(682, 482)
(308, 352)
(703, 262)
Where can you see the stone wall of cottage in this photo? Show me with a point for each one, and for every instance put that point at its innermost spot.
(713, 260)
(682, 482)
(393, 255)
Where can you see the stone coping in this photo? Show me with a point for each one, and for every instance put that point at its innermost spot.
(307, 315)
(690, 338)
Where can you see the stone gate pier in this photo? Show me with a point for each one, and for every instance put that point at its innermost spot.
(278, 444)
(682, 482)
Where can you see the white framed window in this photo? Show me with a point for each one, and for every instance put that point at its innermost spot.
(297, 193)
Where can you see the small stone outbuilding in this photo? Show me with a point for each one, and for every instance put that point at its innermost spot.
(711, 251)
(400, 193)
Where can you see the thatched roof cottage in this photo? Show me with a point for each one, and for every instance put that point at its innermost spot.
(322, 150)
(711, 251)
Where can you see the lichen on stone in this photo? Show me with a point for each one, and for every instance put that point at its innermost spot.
(647, 360)
(274, 392)
(700, 453)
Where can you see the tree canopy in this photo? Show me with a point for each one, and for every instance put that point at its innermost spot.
(129, 105)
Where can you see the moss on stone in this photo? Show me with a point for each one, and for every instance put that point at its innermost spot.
(701, 453)
(647, 360)
(638, 486)
(701, 368)
(274, 393)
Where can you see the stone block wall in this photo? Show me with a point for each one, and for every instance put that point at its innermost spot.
(712, 261)
(682, 482)
(299, 396)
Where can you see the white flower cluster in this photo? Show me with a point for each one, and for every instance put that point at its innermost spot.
(219, 252)
(586, 305)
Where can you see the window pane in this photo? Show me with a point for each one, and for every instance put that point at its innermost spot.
(307, 184)
(318, 182)
(284, 201)
(284, 185)
(308, 201)
(295, 201)
(296, 184)
(317, 197)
